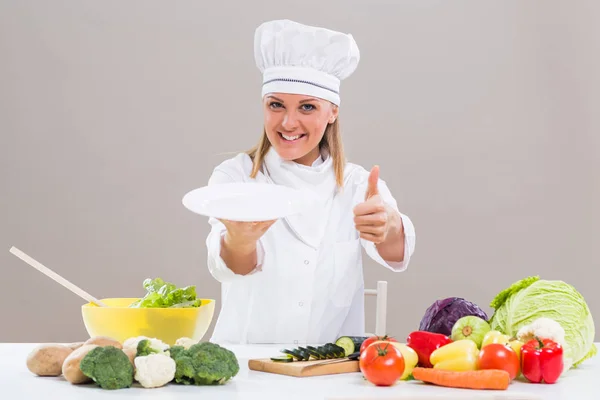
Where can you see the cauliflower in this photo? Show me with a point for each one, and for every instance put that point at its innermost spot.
(185, 342)
(143, 345)
(154, 370)
(542, 328)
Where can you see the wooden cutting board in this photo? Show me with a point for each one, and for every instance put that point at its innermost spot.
(304, 368)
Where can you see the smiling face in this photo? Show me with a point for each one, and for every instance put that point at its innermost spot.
(295, 124)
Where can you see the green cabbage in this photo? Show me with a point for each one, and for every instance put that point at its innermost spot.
(532, 298)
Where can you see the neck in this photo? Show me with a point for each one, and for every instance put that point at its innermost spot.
(309, 158)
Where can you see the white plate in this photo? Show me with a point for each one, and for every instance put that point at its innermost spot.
(247, 201)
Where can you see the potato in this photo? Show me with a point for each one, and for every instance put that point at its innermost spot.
(131, 354)
(75, 345)
(104, 341)
(47, 359)
(70, 367)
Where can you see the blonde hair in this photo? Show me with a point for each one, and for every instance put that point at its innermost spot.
(330, 143)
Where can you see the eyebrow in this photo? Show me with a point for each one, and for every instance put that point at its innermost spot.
(301, 101)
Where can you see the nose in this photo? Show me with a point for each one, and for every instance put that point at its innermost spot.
(290, 121)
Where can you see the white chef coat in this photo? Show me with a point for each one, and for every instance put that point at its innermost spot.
(308, 284)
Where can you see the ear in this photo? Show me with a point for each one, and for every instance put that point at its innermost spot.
(334, 114)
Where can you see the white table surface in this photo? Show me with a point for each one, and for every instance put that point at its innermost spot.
(16, 382)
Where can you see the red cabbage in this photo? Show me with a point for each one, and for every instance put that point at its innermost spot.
(441, 316)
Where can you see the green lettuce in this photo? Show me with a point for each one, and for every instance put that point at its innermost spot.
(161, 294)
(531, 298)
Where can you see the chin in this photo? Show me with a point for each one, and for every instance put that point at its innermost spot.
(289, 155)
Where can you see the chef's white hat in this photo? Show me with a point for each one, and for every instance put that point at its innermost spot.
(300, 59)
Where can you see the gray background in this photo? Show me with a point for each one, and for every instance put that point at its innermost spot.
(482, 115)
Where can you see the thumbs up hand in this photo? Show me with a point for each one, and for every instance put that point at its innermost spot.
(373, 180)
(372, 216)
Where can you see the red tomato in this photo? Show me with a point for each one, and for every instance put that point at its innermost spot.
(382, 363)
(499, 356)
(373, 339)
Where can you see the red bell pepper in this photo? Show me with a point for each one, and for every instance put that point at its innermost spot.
(542, 360)
(424, 343)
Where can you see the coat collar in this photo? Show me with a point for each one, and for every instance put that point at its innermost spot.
(318, 179)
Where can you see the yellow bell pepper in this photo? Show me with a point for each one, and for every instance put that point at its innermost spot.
(411, 358)
(460, 355)
(516, 346)
(495, 337)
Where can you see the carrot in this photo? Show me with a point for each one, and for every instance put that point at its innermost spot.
(496, 379)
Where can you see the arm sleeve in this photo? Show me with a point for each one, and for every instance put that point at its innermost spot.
(217, 267)
(409, 229)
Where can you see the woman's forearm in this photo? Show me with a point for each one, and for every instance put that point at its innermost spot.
(241, 258)
(392, 248)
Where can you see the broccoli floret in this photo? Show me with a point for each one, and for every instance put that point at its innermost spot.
(176, 351)
(205, 364)
(144, 346)
(150, 346)
(109, 367)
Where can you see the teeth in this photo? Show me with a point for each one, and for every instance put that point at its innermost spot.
(290, 137)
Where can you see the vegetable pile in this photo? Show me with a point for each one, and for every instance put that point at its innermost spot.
(150, 362)
(161, 294)
(539, 330)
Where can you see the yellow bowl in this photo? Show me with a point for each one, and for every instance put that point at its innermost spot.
(120, 322)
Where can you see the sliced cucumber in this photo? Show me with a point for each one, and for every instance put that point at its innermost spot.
(340, 352)
(332, 351)
(294, 353)
(329, 350)
(286, 358)
(326, 351)
(304, 352)
(314, 352)
(350, 344)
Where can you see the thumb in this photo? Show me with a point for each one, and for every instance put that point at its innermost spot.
(373, 179)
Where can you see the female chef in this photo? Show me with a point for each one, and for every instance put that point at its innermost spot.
(300, 279)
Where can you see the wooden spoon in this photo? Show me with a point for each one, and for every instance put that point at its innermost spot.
(57, 278)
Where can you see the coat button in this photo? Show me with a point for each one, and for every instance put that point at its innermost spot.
(301, 304)
(306, 262)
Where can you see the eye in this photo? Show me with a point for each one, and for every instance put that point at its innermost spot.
(308, 107)
(275, 104)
